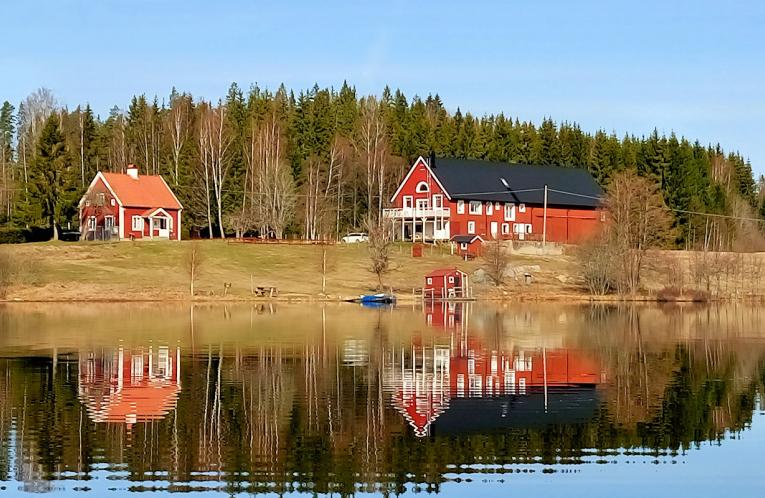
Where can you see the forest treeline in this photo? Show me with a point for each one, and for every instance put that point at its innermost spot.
(321, 162)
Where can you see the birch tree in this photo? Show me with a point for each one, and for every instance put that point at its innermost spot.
(178, 124)
(216, 141)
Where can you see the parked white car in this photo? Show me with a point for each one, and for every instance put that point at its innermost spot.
(355, 237)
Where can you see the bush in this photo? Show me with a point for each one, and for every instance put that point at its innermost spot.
(597, 261)
(21, 235)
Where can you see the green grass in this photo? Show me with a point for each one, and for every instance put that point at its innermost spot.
(134, 270)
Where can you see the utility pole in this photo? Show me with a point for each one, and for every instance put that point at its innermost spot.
(544, 222)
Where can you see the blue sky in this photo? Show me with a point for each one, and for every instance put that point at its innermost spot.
(695, 67)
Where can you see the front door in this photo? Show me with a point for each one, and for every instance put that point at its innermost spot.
(161, 227)
(494, 229)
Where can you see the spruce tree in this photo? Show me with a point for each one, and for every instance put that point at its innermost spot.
(51, 178)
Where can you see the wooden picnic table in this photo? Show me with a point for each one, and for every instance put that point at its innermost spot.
(265, 291)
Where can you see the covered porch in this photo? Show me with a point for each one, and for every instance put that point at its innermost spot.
(159, 224)
(419, 225)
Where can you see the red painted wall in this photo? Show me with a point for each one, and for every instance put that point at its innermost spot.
(420, 174)
(144, 234)
(99, 211)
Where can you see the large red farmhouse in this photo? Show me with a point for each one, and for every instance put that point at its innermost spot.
(445, 197)
(129, 206)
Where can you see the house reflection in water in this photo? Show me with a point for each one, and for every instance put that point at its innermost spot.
(130, 385)
(453, 383)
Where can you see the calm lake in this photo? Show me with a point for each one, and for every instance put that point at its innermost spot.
(460, 400)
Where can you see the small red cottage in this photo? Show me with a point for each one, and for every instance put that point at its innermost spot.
(446, 283)
(467, 246)
(120, 206)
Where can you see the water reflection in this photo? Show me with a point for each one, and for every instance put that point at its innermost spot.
(341, 399)
(129, 386)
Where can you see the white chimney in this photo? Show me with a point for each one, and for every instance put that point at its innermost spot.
(132, 171)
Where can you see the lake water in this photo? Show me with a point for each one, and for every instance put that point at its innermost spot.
(462, 400)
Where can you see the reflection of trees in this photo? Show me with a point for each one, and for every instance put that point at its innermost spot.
(283, 417)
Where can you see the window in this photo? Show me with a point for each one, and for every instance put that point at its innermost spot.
(439, 224)
(422, 187)
(460, 207)
(113, 202)
(430, 281)
(91, 223)
(489, 208)
(161, 223)
(451, 280)
(528, 228)
(137, 223)
(475, 207)
(100, 199)
(517, 227)
(471, 226)
(463, 246)
(505, 228)
(438, 201)
(87, 202)
(408, 202)
(509, 211)
(108, 223)
(602, 216)
(522, 208)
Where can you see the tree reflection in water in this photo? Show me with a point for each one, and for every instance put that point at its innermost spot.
(329, 400)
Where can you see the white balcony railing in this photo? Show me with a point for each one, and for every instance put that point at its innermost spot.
(415, 212)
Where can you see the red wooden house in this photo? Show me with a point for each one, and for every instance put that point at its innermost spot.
(467, 246)
(446, 283)
(443, 197)
(129, 206)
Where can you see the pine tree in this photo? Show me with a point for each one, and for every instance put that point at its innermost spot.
(52, 178)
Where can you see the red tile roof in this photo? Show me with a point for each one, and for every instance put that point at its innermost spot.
(148, 191)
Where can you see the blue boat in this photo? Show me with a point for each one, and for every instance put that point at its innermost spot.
(376, 298)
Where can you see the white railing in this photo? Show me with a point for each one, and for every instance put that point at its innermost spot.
(413, 212)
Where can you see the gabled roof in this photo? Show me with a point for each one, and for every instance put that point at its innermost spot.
(473, 179)
(440, 272)
(147, 191)
(466, 239)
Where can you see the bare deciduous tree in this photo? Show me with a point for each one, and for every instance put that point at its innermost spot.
(379, 246)
(496, 258)
(194, 261)
(178, 123)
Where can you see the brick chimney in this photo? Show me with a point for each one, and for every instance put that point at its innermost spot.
(132, 171)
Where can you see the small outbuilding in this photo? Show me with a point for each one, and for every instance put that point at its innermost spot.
(467, 246)
(446, 283)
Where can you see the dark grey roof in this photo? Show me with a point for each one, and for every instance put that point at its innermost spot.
(466, 239)
(473, 179)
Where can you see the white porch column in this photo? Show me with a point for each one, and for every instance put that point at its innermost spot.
(151, 227)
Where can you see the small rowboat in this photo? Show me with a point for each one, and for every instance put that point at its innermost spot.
(376, 298)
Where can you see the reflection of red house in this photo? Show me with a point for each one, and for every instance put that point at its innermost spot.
(426, 378)
(443, 314)
(130, 386)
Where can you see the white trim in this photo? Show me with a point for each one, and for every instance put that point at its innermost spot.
(411, 201)
(122, 222)
(479, 207)
(133, 226)
(471, 227)
(425, 190)
(460, 207)
(156, 211)
(178, 232)
(411, 170)
(171, 192)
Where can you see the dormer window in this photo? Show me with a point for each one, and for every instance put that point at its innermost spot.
(422, 187)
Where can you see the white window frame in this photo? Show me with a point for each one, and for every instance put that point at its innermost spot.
(505, 228)
(430, 281)
(92, 223)
(423, 204)
(489, 208)
(108, 218)
(137, 227)
(100, 199)
(408, 202)
(438, 201)
(451, 279)
(528, 228)
(112, 201)
(422, 187)
(509, 211)
(471, 227)
(521, 208)
(475, 207)
(460, 207)
(463, 246)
